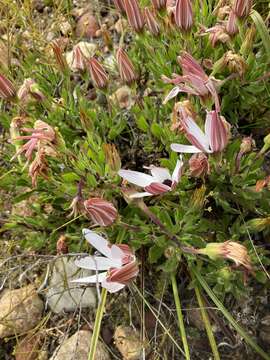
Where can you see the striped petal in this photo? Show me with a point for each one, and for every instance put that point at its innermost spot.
(157, 188)
(136, 177)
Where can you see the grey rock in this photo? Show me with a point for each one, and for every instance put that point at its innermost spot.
(62, 294)
(77, 347)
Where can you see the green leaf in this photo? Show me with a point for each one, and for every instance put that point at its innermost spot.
(155, 252)
(262, 30)
(142, 123)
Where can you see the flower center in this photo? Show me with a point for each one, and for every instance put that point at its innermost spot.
(167, 182)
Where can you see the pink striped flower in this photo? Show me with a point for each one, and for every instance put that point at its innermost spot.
(7, 89)
(98, 74)
(215, 138)
(159, 182)
(119, 5)
(151, 21)
(42, 134)
(78, 59)
(102, 212)
(194, 81)
(242, 8)
(183, 14)
(119, 263)
(57, 47)
(134, 15)
(125, 66)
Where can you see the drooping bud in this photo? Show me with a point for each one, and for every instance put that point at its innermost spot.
(125, 66)
(119, 5)
(102, 212)
(248, 42)
(151, 21)
(199, 165)
(219, 129)
(58, 54)
(98, 74)
(81, 52)
(158, 4)
(7, 89)
(134, 15)
(242, 8)
(231, 25)
(38, 167)
(29, 91)
(228, 250)
(246, 146)
(78, 61)
(112, 157)
(184, 14)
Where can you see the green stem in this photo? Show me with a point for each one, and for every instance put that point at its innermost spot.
(180, 317)
(207, 324)
(228, 316)
(96, 331)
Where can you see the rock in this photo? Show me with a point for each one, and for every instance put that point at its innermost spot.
(87, 26)
(128, 343)
(28, 348)
(62, 295)
(20, 311)
(77, 347)
(123, 98)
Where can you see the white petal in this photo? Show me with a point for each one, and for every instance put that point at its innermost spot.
(197, 133)
(136, 177)
(160, 174)
(172, 94)
(112, 287)
(117, 254)
(177, 171)
(92, 279)
(98, 242)
(190, 149)
(140, 195)
(97, 263)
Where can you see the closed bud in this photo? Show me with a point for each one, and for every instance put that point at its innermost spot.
(58, 54)
(98, 74)
(248, 42)
(247, 144)
(125, 66)
(231, 25)
(151, 21)
(112, 157)
(228, 250)
(158, 4)
(30, 91)
(198, 198)
(184, 14)
(102, 212)
(7, 89)
(134, 15)
(199, 165)
(77, 61)
(242, 8)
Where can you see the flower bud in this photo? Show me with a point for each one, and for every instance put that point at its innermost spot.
(7, 89)
(134, 15)
(247, 144)
(184, 14)
(258, 224)
(158, 4)
(231, 25)
(248, 42)
(151, 21)
(77, 61)
(58, 54)
(61, 245)
(199, 165)
(228, 250)
(198, 198)
(242, 8)
(98, 74)
(102, 212)
(112, 157)
(30, 90)
(125, 66)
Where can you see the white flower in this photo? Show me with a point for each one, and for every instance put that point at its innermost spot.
(160, 181)
(118, 261)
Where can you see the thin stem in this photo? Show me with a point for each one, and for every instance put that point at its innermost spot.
(207, 324)
(180, 317)
(96, 330)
